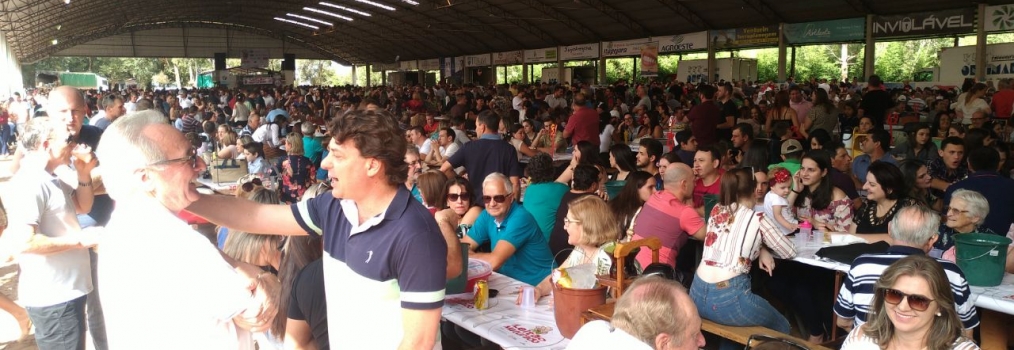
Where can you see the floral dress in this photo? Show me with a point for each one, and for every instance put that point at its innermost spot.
(837, 216)
(297, 176)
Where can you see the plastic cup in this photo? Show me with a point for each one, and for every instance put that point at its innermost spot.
(527, 297)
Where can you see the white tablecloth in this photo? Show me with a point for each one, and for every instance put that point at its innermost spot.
(999, 298)
(504, 322)
(219, 187)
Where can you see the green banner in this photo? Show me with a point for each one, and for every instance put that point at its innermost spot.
(842, 30)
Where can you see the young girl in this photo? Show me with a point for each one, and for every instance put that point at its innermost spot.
(775, 203)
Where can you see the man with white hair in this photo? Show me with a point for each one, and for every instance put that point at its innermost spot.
(653, 314)
(520, 250)
(913, 231)
(149, 168)
(45, 235)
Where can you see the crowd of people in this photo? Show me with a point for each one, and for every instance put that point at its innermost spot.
(382, 187)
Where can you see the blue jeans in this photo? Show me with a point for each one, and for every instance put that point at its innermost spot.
(61, 326)
(5, 138)
(732, 303)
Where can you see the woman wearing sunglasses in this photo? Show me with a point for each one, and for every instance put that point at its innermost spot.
(459, 200)
(913, 308)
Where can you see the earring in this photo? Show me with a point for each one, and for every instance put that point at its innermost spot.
(938, 314)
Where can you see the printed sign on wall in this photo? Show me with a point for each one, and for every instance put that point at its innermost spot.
(541, 55)
(477, 60)
(925, 23)
(744, 37)
(625, 48)
(999, 18)
(508, 58)
(579, 52)
(842, 30)
(682, 43)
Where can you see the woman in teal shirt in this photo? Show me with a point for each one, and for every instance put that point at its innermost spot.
(543, 195)
(622, 159)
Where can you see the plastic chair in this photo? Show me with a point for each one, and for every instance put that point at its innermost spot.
(767, 342)
(620, 254)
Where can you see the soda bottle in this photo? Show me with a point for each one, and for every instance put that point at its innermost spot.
(806, 231)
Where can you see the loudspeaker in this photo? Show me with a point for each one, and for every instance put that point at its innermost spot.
(289, 63)
(220, 61)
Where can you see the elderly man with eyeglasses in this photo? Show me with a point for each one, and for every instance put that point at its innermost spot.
(150, 259)
(520, 250)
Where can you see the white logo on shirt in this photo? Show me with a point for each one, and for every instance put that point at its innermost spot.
(370, 256)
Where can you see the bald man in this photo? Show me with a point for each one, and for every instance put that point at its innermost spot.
(66, 106)
(638, 324)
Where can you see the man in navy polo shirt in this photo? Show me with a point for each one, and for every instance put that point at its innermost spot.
(998, 190)
(385, 260)
(520, 251)
(913, 230)
(486, 155)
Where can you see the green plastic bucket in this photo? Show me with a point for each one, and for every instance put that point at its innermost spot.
(456, 285)
(613, 188)
(981, 257)
(710, 200)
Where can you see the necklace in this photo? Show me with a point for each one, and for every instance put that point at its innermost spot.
(871, 214)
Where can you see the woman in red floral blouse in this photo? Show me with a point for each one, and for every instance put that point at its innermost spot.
(297, 170)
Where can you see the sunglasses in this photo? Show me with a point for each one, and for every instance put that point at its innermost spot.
(249, 185)
(498, 198)
(454, 197)
(915, 301)
(190, 158)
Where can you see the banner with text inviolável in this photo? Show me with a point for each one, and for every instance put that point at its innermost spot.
(682, 43)
(999, 18)
(649, 60)
(955, 21)
(579, 52)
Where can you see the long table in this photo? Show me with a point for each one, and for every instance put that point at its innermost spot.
(504, 322)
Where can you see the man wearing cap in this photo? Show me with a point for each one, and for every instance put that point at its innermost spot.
(874, 149)
(792, 153)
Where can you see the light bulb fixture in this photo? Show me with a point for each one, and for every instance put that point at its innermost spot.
(311, 19)
(66, 2)
(410, 2)
(377, 4)
(340, 7)
(332, 14)
(58, 26)
(297, 23)
(55, 41)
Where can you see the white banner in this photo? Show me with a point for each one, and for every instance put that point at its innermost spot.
(623, 48)
(477, 60)
(379, 67)
(254, 58)
(508, 58)
(999, 18)
(541, 55)
(431, 64)
(579, 52)
(408, 65)
(682, 43)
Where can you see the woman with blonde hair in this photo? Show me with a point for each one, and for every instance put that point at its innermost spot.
(590, 226)
(227, 139)
(296, 169)
(913, 308)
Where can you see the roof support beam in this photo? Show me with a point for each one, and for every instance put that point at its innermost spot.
(620, 17)
(765, 10)
(470, 21)
(687, 14)
(541, 7)
(860, 5)
(516, 20)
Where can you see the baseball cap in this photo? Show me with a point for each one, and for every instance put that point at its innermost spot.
(614, 113)
(902, 98)
(791, 146)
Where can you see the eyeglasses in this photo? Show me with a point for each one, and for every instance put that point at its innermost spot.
(915, 301)
(249, 185)
(191, 158)
(568, 221)
(952, 210)
(454, 197)
(497, 198)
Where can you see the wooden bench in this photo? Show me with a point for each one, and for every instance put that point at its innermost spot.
(737, 334)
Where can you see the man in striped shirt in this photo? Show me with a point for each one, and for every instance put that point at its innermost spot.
(913, 231)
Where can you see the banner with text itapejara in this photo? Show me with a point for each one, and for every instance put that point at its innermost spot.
(836, 31)
(744, 37)
(649, 60)
(955, 21)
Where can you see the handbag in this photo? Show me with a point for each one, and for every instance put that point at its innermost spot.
(227, 170)
(847, 253)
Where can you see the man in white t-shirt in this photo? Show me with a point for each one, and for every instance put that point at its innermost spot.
(421, 140)
(629, 329)
(448, 145)
(154, 267)
(45, 235)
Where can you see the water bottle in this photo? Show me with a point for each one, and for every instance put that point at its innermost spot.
(805, 231)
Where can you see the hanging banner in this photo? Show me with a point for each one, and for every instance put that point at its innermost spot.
(408, 65)
(682, 43)
(958, 63)
(624, 48)
(925, 23)
(508, 58)
(380, 67)
(649, 60)
(254, 58)
(541, 55)
(451, 65)
(431, 64)
(744, 37)
(999, 18)
(477, 60)
(836, 31)
(579, 52)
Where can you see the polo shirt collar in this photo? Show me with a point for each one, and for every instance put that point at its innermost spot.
(489, 137)
(502, 225)
(904, 250)
(984, 173)
(394, 211)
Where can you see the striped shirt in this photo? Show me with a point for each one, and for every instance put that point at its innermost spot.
(857, 340)
(735, 235)
(856, 294)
